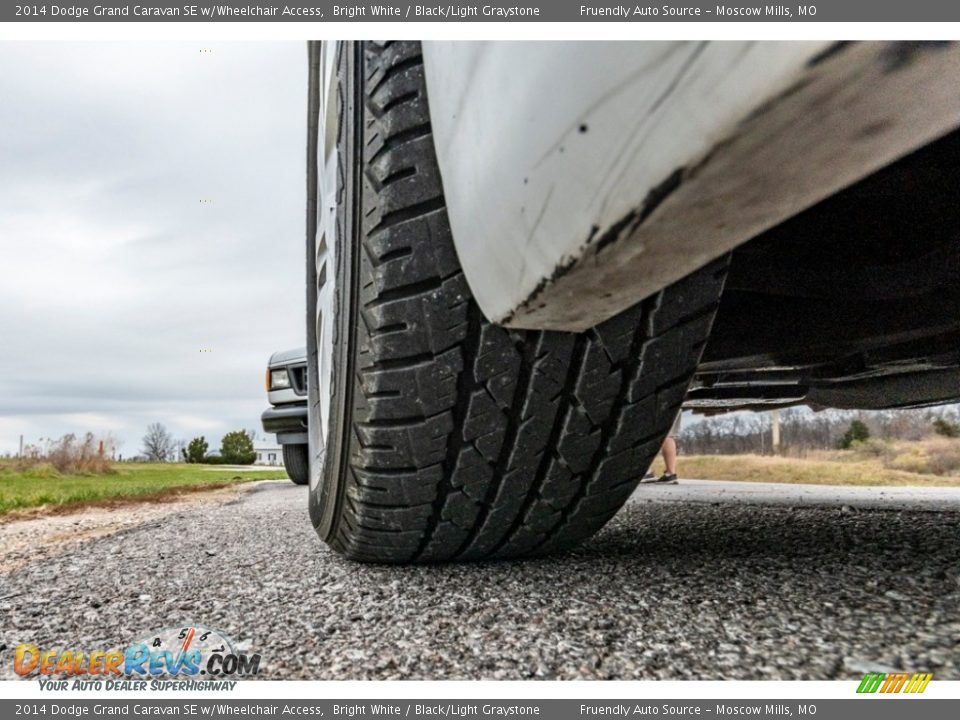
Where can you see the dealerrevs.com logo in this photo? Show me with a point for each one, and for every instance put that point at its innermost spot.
(909, 683)
(185, 653)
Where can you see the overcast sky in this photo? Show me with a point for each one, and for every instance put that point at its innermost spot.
(114, 275)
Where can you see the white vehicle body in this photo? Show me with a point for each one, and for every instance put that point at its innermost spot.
(292, 362)
(581, 178)
(287, 415)
(527, 258)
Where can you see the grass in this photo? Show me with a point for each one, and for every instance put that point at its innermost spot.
(834, 469)
(933, 462)
(42, 485)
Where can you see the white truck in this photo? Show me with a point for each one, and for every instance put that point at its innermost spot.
(286, 385)
(525, 257)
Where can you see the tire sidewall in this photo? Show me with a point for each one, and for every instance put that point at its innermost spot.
(327, 444)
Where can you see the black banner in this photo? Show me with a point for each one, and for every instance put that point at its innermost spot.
(494, 11)
(873, 707)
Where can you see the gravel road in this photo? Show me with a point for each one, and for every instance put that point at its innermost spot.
(668, 590)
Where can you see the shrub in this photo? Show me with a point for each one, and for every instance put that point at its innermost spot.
(857, 432)
(874, 448)
(943, 457)
(942, 426)
(911, 460)
(197, 450)
(68, 455)
(236, 448)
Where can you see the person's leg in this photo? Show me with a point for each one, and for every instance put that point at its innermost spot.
(669, 452)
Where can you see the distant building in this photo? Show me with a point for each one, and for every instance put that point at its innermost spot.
(268, 455)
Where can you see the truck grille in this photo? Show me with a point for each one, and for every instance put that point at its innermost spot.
(298, 378)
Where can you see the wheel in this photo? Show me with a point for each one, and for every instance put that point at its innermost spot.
(296, 461)
(435, 434)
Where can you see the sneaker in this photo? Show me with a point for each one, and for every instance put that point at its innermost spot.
(648, 477)
(665, 479)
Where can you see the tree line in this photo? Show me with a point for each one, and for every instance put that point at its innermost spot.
(803, 430)
(236, 448)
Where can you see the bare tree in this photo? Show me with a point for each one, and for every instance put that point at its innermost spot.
(158, 444)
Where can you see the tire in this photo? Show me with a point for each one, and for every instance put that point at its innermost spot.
(451, 438)
(296, 461)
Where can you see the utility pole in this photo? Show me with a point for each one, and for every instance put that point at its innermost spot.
(775, 432)
(20, 454)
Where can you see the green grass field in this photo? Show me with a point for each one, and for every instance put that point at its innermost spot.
(43, 485)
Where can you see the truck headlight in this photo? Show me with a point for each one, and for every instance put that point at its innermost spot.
(279, 379)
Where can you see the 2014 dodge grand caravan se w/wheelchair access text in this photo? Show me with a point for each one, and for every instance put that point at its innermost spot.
(525, 257)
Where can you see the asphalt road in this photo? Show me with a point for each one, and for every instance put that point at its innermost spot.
(695, 589)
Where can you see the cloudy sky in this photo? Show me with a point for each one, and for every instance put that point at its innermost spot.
(151, 207)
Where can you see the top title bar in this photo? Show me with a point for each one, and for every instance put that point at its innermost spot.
(494, 11)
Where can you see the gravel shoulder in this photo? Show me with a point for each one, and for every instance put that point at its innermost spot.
(672, 590)
(35, 534)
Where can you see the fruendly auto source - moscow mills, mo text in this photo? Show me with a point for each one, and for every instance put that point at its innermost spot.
(627, 12)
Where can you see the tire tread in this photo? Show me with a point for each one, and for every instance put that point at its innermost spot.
(471, 441)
